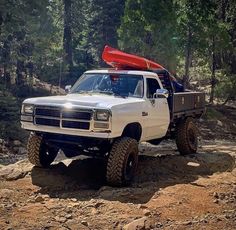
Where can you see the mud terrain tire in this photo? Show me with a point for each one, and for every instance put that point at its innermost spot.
(122, 162)
(39, 153)
(186, 137)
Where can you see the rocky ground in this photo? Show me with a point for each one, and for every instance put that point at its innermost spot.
(170, 191)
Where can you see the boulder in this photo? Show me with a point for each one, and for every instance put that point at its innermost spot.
(141, 223)
(15, 175)
(6, 193)
(15, 171)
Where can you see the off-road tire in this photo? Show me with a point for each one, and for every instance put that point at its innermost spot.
(123, 154)
(187, 137)
(39, 153)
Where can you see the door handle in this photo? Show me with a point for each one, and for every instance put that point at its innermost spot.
(144, 114)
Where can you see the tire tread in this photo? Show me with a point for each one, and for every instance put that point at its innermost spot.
(182, 139)
(33, 149)
(116, 160)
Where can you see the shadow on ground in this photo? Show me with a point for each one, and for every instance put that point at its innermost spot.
(84, 178)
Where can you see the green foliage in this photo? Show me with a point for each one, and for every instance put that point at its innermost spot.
(29, 34)
(9, 117)
(226, 88)
(180, 34)
(149, 29)
(213, 114)
(25, 91)
(96, 26)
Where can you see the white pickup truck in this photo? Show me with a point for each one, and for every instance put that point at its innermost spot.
(107, 113)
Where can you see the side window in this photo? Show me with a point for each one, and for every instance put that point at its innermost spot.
(152, 86)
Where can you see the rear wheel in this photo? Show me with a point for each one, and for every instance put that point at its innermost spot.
(187, 138)
(39, 153)
(122, 161)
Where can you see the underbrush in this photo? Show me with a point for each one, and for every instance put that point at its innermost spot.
(10, 106)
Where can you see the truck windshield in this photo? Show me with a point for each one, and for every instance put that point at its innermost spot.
(124, 85)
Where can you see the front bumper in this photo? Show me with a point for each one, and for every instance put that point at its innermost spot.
(49, 129)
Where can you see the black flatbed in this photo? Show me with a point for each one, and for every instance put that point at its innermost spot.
(182, 104)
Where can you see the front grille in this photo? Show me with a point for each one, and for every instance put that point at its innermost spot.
(63, 118)
(77, 115)
(51, 112)
(48, 122)
(75, 124)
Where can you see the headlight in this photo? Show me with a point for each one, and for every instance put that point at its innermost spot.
(102, 115)
(29, 109)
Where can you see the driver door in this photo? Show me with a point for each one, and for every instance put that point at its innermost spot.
(157, 115)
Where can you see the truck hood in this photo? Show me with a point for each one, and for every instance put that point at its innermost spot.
(80, 100)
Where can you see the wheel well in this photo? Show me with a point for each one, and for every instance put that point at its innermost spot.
(133, 130)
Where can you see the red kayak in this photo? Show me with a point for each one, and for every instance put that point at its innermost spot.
(122, 60)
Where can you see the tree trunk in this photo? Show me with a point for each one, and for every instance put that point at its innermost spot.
(67, 38)
(6, 60)
(19, 72)
(213, 70)
(188, 58)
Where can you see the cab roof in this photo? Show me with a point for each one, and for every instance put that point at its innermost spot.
(113, 71)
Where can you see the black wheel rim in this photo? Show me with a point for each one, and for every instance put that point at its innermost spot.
(192, 139)
(47, 154)
(130, 167)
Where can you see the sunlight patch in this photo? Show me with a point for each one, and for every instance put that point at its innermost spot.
(193, 164)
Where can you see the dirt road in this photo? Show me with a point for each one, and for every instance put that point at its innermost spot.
(170, 192)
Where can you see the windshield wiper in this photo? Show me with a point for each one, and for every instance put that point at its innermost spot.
(83, 92)
(111, 93)
(119, 95)
(105, 92)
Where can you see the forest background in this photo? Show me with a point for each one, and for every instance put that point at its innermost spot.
(55, 41)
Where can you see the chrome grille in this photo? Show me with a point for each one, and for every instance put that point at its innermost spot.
(62, 117)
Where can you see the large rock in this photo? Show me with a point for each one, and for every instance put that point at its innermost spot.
(73, 224)
(15, 171)
(55, 177)
(139, 224)
(4, 193)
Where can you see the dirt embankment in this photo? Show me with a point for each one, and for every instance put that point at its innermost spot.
(170, 191)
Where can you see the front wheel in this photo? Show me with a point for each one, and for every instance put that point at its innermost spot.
(122, 161)
(39, 153)
(186, 138)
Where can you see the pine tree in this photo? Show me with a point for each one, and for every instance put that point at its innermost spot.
(28, 36)
(102, 19)
(149, 29)
(67, 37)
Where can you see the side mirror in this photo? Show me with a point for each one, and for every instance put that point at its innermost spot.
(67, 88)
(161, 93)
